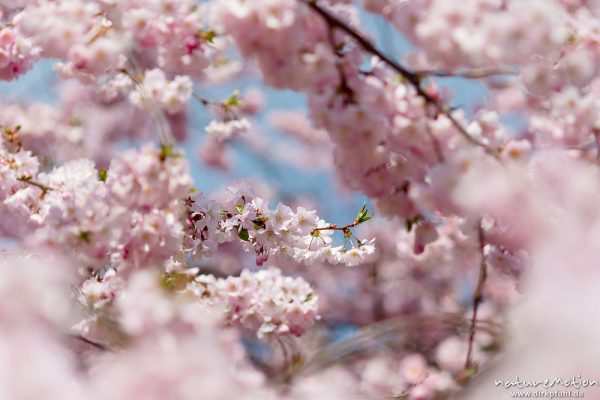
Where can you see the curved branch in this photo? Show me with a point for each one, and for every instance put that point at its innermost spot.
(45, 189)
(85, 340)
(475, 73)
(412, 77)
(477, 296)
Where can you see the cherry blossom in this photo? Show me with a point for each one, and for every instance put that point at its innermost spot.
(265, 301)
(130, 270)
(223, 130)
(17, 54)
(156, 91)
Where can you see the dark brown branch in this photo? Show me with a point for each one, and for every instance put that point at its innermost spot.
(334, 21)
(344, 88)
(413, 78)
(477, 296)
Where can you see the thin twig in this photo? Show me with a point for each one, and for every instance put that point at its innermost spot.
(476, 73)
(99, 346)
(377, 306)
(285, 354)
(435, 143)
(334, 227)
(477, 296)
(345, 89)
(413, 78)
(597, 140)
(227, 111)
(374, 335)
(333, 20)
(45, 189)
(205, 101)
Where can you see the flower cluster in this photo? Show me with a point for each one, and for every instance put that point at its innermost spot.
(175, 31)
(76, 32)
(155, 91)
(93, 37)
(132, 213)
(292, 45)
(560, 50)
(569, 118)
(279, 233)
(224, 130)
(129, 214)
(264, 301)
(17, 54)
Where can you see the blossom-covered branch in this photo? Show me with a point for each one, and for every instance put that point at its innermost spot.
(412, 77)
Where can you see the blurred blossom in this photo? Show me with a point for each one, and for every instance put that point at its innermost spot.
(474, 257)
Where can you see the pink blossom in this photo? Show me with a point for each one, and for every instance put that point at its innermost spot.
(17, 54)
(485, 216)
(223, 130)
(155, 91)
(269, 303)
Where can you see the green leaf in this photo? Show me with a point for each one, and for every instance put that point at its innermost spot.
(173, 281)
(363, 215)
(244, 235)
(85, 236)
(102, 174)
(208, 36)
(234, 100)
(166, 151)
(466, 374)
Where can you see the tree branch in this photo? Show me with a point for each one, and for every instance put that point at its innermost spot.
(45, 189)
(597, 142)
(413, 78)
(476, 73)
(477, 296)
(80, 338)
